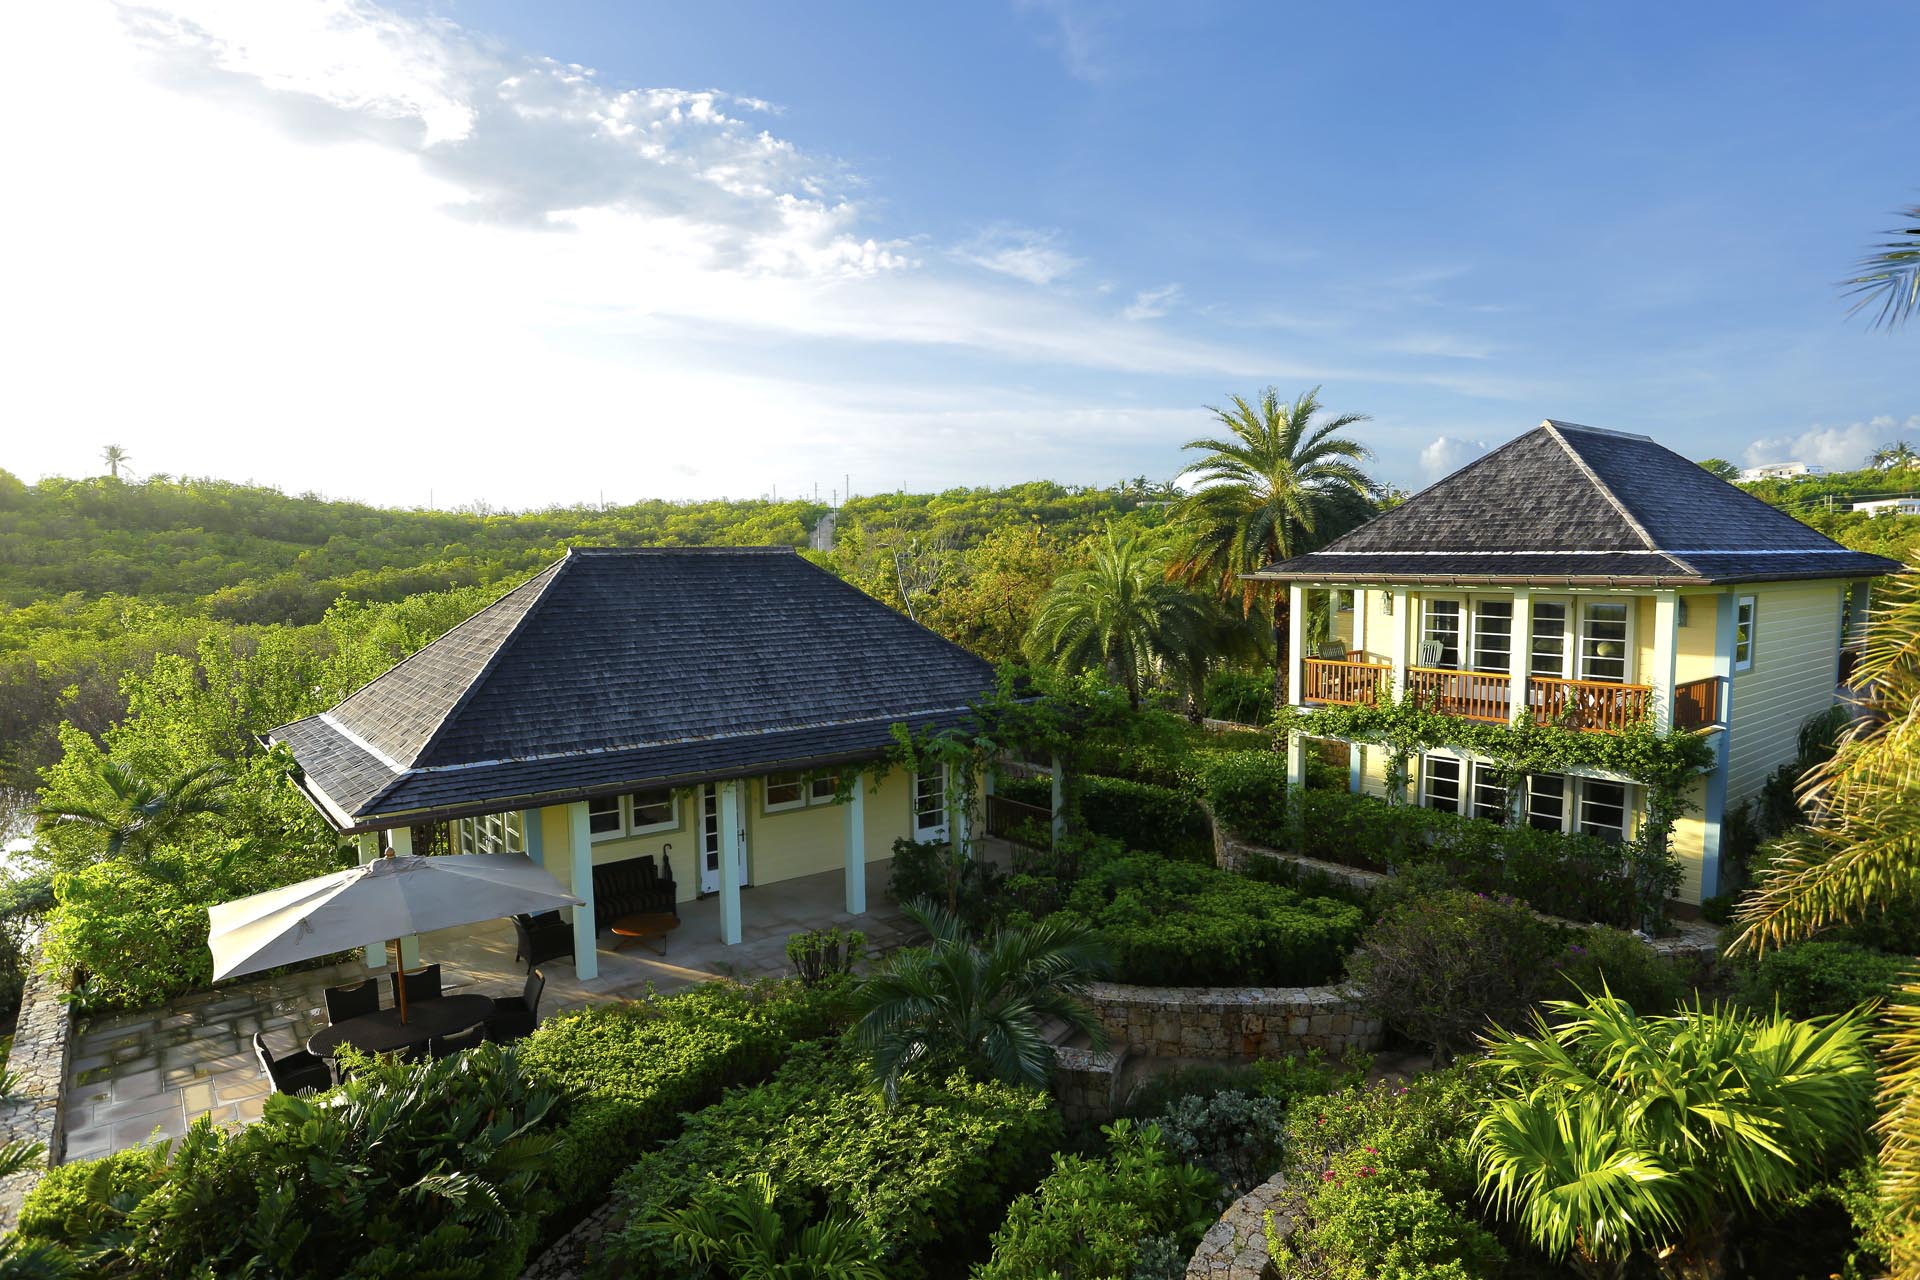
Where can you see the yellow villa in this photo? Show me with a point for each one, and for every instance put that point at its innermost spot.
(1593, 578)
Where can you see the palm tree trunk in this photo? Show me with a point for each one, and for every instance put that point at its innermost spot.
(1282, 644)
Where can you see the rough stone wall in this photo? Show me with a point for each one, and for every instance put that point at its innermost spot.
(1084, 1082)
(1233, 1022)
(41, 1042)
(1235, 1248)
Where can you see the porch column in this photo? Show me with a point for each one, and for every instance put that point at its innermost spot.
(586, 939)
(368, 844)
(535, 838)
(1520, 655)
(401, 838)
(1296, 634)
(1402, 603)
(1359, 623)
(1666, 649)
(730, 859)
(1726, 620)
(857, 847)
(1059, 800)
(958, 815)
(1355, 758)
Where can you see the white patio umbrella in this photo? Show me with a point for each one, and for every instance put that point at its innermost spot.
(385, 900)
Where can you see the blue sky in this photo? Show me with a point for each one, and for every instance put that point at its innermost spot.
(523, 253)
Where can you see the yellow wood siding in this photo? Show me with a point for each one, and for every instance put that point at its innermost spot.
(1796, 640)
(1689, 840)
(1695, 660)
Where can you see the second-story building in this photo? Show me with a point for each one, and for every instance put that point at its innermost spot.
(1595, 579)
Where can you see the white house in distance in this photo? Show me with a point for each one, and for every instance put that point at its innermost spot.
(1782, 471)
(1890, 507)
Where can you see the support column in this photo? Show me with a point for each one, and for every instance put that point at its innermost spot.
(401, 838)
(533, 835)
(1355, 754)
(730, 859)
(1359, 623)
(368, 845)
(1403, 609)
(1726, 621)
(1296, 634)
(1059, 800)
(1520, 657)
(1666, 651)
(586, 939)
(857, 847)
(957, 815)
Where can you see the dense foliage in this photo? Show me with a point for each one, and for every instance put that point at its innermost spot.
(1809, 979)
(1140, 815)
(926, 1178)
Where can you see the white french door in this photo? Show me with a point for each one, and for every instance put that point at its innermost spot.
(710, 841)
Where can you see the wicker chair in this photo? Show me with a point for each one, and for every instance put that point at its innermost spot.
(542, 938)
(292, 1072)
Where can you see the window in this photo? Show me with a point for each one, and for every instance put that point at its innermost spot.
(1743, 613)
(1489, 797)
(1549, 657)
(603, 818)
(1547, 801)
(653, 811)
(1492, 635)
(1603, 640)
(823, 790)
(930, 802)
(784, 791)
(489, 833)
(1440, 776)
(1440, 636)
(1603, 810)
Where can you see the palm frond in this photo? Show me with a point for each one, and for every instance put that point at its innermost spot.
(1890, 275)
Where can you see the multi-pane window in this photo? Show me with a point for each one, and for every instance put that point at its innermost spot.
(1603, 810)
(1492, 635)
(1547, 801)
(1440, 634)
(490, 833)
(604, 818)
(1743, 633)
(824, 790)
(1440, 777)
(785, 791)
(637, 814)
(1489, 796)
(1603, 640)
(930, 801)
(1549, 654)
(653, 811)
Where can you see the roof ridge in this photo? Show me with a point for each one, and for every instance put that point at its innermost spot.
(554, 573)
(1599, 431)
(1552, 429)
(1421, 492)
(766, 549)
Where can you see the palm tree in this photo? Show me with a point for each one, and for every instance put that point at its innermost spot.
(1121, 614)
(139, 812)
(1610, 1134)
(1894, 457)
(115, 457)
(978, 1004)
(1890, 274)
(736, 1231)
(1276, 486)
(1861, 857)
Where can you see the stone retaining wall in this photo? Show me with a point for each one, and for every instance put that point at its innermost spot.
(1233, 1022)
(1235, 1248)
(41, 1043)
(1085, 1082)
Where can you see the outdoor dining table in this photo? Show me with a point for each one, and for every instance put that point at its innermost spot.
(383, 1032)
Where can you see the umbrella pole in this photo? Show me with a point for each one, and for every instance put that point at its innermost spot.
(400, 980)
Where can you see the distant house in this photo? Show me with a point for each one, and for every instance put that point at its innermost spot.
(1782, 471)
(1890, 507)
(1592, 578)
(672, 714)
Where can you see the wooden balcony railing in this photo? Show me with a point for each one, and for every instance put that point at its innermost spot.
(1471, 695)
(1599, 705)
(1696, 704)
(1326, 680)
(1019, 822)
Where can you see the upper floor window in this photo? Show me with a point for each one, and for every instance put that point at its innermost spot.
(1492, 634)
(1440, 633)
(1549, 657)
(1743, 618)
(1603, 640)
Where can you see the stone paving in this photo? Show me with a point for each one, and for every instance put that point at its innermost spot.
(148, 1074)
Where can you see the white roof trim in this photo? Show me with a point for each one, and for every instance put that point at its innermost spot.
(393, 766)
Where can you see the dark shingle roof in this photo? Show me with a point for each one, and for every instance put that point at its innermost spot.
(616, 668)
(1567, 503)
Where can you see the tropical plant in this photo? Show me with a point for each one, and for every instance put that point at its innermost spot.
(115, 457)
(136, 812)
(1612, 1134)
(1720, 469)
(1897, 456)
(978, 1004)
(1890, 274)
(1860, 859)
(1121, 615)
(738, 1233)
(1276, 485)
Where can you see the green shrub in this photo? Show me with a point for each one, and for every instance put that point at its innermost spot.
(629, 1070)
(1103, 1217)
(130, 938)
(71, 1202)
(1140, 815)
(1297, 1075)
(930, 870)
(1626, 966)
(1440, 969)
(1811, 979)
(822, 955)
(926, 1179)
(1236, 1137)
(1239, 697)
(1181, 924)
(1247, 791)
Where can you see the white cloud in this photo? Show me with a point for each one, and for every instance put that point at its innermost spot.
(1840, 448)
(1150, 304)
(1033, 256)
(1447, 455)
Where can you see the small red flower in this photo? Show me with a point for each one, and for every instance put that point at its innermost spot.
(1366, 1171)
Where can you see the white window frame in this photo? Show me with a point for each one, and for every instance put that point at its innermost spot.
(490, 833)
(1580, 822)
(1574, 799)
(795, 780)
(1746, 612)
(1503, 633)
(1631, 607)
(1459, 781)
(619, 831)
(1560, 796)
(1568, 625)
(923, 830)
(823, 789)
(630, 803)
(1459, 635)
(1500, 813)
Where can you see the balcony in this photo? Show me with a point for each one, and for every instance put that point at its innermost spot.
(1598, 706)
(1345, 681)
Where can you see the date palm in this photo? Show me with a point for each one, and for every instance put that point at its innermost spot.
(1122, 615)
(136, 812)
(1859, 858)
(1276, 485)
(1890, 275)
(1894, 457)
(978, 1003)
(1611, 1134)
(115, 457)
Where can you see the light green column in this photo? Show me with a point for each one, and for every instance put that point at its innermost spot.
(857, 847)
(586, 952)
(401, 838)
(730, 858)
(368, 843)
(533, 835)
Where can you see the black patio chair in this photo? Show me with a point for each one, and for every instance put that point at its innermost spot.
(542, 938)
(292, 1072)
(458, 1042)
(422, 984)
(516, 1016)
(353, 999)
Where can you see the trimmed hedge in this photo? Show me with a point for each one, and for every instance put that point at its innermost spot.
(1247, 791)
(1181, 924)
(1140, 815)
(1813, 979)
(926, 1179)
